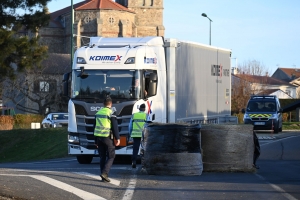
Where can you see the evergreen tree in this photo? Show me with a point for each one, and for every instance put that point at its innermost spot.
(19, 52)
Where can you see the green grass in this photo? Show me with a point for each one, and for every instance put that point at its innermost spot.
(291, 126)
(29, 145)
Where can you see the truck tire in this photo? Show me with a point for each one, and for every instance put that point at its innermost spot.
(84, 159)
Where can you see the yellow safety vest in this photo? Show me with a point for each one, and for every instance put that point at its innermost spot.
(103, 125)
(138, 121)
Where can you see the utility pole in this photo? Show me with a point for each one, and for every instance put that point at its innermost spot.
(72, 22)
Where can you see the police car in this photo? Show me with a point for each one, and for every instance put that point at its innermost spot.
(264, 112)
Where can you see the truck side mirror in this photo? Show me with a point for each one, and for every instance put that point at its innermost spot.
(243, 111)
(152, 90)
(66, 84)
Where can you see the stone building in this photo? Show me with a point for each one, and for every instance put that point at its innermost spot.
(105, 18)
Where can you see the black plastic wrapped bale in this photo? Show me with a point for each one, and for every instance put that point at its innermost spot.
(227, 148)
(172, 149)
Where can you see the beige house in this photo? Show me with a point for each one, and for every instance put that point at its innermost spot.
(266, 85)
(290, 75)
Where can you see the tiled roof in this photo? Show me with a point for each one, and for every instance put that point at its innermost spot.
(262, 79)
(102, 4)
(85, 5)
(291, 71)
(268, 91)
(57, 63)
(54, 21)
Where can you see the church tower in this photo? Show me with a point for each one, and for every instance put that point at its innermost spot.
(149, 16)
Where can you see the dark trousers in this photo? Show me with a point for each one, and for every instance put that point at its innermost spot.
(136, 146)
(106, 149)
(256, 148)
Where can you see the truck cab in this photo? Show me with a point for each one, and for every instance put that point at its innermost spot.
(264, 112)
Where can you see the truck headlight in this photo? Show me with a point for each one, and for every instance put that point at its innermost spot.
(81, 60)
(130, 60)
(73, 139)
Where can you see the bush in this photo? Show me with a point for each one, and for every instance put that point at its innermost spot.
(6, 122)
(23, 121)
(285, 117)
(240, 117)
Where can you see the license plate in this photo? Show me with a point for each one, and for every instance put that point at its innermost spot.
(259, 123)
(96, 152)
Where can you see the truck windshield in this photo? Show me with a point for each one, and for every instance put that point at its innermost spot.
(97, 84)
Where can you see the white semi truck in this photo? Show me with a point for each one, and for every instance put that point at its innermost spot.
(177, 81)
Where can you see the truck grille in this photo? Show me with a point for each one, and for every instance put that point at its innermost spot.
(259, 119)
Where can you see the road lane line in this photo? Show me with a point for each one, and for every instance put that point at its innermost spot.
(130, 189)
(277, 188)
(97, 177)
(112, 180)
(76, 191)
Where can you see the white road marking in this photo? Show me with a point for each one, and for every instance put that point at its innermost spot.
(130, 189)
(279, 189)
(279, 140)
(68, 169)
(97, 177)
(45, 162)
(266, 137)
(78, 192)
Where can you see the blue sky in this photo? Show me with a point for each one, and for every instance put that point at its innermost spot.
(266, 31)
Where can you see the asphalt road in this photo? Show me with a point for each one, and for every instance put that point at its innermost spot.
(278, 178)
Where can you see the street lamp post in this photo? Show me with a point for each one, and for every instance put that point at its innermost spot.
(72, 22)
(204, 15)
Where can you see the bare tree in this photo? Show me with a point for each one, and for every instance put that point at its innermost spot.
(35, 91)
(253, 67)
(251, 79)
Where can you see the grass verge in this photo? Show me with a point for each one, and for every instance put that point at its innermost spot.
(33, 144)
(290, 126)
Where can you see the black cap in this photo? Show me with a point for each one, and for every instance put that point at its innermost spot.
(142, 107)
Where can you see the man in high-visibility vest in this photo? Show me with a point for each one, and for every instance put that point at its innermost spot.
(105, 130)
(136, 128)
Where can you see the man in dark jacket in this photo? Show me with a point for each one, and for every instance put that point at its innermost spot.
(105, 130)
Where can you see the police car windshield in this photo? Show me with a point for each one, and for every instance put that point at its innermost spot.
(261, 106)
(118, 84)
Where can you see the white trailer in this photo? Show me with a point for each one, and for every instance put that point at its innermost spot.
(178, 81)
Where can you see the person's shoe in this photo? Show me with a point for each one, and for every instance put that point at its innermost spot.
(105, 177)
(133, 164)
(255, 166)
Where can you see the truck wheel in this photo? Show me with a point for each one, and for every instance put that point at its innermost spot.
(280, 129)
(84, 159)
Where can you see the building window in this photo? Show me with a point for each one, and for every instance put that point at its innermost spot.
(111, 20)
(87, 19)
(45, 86)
